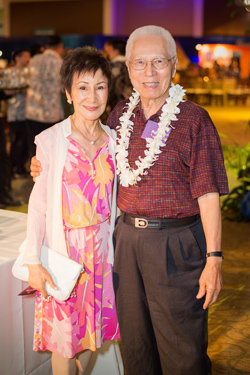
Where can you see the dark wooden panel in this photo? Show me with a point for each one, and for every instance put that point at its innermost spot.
(221, 19)
(65, 17)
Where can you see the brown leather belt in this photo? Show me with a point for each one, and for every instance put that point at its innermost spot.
(142, 222)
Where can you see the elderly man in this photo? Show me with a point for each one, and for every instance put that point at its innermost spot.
(167, 267)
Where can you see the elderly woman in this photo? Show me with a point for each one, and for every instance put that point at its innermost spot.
(72, 210)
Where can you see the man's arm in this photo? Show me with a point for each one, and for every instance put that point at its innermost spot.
(35, 168)
(211, 281)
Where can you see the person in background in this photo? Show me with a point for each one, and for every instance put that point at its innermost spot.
(65, 51)
(16, 112)
(44, 103)
(121, 87)
(5, 170)
(234, 69)
(6, 198)
(36, 49)
(72, 209)
(168, 258)
(115, 52)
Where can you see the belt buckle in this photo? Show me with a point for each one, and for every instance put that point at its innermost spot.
(141, 223)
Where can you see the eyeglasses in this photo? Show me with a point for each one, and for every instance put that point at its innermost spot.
(158, 63)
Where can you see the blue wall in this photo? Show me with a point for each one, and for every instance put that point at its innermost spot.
(8, 45)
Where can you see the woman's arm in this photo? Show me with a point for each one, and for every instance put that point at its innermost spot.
(36, 225)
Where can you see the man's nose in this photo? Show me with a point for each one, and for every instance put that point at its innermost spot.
(149, 68)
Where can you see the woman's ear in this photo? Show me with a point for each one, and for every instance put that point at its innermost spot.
(69, 100)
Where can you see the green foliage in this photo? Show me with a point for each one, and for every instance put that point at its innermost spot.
(238, 6)
(237, 159)
(231, 204)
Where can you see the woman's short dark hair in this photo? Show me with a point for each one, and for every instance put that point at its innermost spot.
(83, 60)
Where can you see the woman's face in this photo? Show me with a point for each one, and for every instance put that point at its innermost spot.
(89, 94)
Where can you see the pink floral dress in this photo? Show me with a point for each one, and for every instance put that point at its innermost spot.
(89, 318)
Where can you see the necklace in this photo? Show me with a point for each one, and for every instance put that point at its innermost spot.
(127, 175)
(92, 142)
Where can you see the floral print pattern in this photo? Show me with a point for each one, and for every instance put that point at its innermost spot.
(44, 95)
(88, 318)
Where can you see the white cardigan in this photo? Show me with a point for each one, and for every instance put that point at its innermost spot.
(45, 223)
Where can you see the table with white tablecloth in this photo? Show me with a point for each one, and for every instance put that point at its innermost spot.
(17, 315)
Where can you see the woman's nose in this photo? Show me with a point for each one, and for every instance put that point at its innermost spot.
(92, 95)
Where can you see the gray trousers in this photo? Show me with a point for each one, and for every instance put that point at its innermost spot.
(156, 278)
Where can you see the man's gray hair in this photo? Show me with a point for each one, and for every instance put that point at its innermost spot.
(151, 30)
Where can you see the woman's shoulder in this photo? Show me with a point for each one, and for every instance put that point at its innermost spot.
(54, 131)
(109, 131)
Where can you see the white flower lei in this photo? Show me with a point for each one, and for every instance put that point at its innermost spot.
(127, 175)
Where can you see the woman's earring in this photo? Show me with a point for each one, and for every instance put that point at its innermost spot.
(69, 101)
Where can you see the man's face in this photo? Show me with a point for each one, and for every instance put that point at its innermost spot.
(23, 60)
(152, 84)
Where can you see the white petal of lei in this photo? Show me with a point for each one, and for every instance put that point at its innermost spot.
(127, 175)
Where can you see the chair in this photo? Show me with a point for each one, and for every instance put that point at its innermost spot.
(217, 92)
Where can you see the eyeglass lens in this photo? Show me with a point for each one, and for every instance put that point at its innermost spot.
(140, 64)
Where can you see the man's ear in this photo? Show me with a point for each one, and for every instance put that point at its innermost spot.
(128, 66)
(174, 67)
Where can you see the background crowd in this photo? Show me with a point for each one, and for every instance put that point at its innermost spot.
(32, 97)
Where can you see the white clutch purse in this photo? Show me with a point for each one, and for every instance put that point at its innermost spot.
(64, 271)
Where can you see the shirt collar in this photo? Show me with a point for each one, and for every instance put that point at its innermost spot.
(155, 116)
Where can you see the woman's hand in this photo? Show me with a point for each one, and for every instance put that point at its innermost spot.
(35, 168)
(38, 275)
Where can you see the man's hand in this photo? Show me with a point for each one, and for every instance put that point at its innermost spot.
(211, 281)
(35, 168)
(38, 275)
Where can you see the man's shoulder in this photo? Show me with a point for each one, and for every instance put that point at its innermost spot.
(193, 118)
(189, 106)
(36, 64)
(192, 111)
(37, 58)
(45, 58)
(116, 113)
(119, 109)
